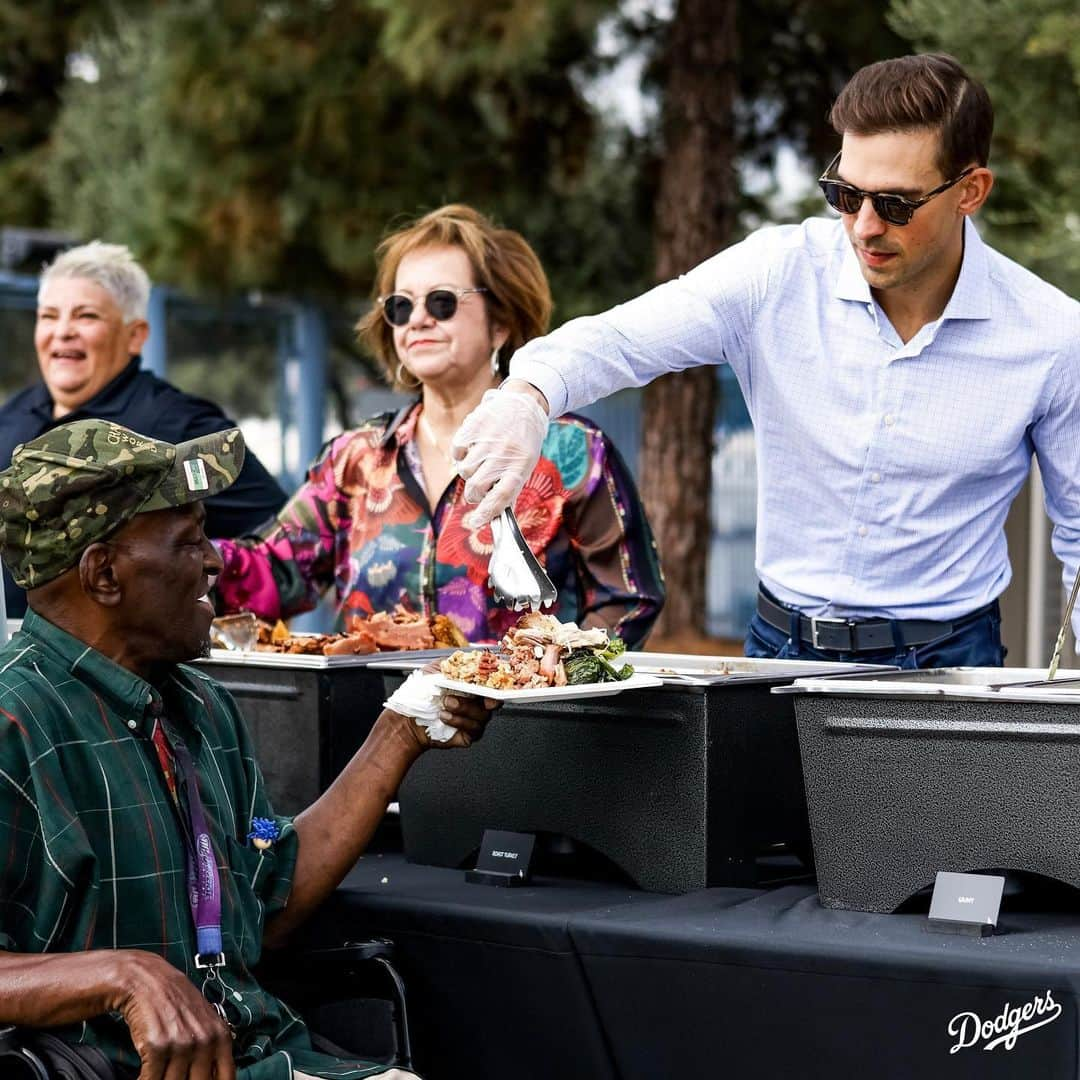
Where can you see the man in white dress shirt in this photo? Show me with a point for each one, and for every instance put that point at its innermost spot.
(899, 372)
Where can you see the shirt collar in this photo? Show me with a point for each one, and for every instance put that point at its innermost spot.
(398, 421)
(850, 284)
(125, 692)
(970, 296)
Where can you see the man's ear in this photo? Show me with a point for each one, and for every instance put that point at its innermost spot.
(974, 190)
(98, 574)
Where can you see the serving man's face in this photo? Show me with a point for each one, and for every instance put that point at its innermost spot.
(165, 565)
(82, 340)
(902, 163)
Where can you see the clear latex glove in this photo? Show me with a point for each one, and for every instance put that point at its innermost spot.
(497, 448)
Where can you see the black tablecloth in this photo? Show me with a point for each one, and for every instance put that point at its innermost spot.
(494, 986)
(774, 985)
(566, 979)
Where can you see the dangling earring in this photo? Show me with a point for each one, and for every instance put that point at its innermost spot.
(401, 370)
(495, 361)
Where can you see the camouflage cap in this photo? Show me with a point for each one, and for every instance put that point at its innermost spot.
(81, 482)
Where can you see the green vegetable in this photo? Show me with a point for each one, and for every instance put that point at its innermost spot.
(591, 666)
(615, 647)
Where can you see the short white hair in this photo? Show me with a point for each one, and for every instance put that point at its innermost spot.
(112, 266)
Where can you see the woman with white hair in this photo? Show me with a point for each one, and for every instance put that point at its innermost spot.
(91, 327)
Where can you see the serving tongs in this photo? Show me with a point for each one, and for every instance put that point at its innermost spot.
(1060, 643)
(515, 575)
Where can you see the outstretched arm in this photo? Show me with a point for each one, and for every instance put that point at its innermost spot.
(697, 319)
(334, 831)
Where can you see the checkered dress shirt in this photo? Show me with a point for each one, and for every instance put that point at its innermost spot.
(91, 849)
(885, 469)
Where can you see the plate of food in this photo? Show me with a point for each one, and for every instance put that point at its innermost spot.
(542, 659)
(244, 637)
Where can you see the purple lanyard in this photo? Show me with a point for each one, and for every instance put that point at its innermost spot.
(203, 883)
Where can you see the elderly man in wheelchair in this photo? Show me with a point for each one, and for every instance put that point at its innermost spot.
(142, 868)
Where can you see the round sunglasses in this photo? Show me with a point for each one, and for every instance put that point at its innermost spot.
(893, 209)
(441, 303)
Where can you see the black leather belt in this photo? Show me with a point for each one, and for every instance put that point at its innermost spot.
(854, 635)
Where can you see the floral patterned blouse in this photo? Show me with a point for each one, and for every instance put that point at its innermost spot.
(363, 524)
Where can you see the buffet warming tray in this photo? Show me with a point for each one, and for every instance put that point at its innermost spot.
(307, 714)
(959, 769)
(680, 786)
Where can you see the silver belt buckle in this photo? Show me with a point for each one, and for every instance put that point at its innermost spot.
(815, 620)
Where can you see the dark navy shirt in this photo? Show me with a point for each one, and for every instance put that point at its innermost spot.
(151, 406)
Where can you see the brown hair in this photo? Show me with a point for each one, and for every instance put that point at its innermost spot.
(517, 298)
(930, 90)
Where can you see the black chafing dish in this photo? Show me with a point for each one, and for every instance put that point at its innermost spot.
(681, 786)
(960, 769)
(308, 714)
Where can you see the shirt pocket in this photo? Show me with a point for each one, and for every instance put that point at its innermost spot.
(243, 906)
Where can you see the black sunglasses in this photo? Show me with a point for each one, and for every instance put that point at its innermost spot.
(440, 303)
(894, 209)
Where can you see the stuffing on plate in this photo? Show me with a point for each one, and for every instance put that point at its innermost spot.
(540, 651)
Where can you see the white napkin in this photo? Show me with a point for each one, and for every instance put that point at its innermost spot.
(419, 697)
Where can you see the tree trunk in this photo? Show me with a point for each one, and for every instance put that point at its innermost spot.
(694, 217)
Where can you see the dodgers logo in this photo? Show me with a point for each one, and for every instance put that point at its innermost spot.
(969, 1029)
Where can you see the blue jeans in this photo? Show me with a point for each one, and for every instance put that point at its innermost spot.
(975, 641)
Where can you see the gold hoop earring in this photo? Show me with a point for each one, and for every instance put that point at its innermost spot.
(400, 377)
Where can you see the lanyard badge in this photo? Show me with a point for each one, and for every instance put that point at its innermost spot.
(203, 880)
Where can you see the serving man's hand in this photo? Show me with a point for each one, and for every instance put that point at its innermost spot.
(497, 447)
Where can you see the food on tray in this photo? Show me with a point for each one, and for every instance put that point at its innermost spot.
(384, 631)
(541, 651)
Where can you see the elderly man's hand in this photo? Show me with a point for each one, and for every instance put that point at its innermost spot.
(469, 714)
(175, 1030)
(497, 447)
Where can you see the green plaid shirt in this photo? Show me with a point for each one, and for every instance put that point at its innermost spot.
(91, 847)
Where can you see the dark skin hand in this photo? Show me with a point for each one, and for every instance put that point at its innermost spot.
(176, 1032)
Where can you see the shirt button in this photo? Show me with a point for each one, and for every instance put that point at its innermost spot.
(889, 419)
(863, 530)
(875, 478)
(133, 724)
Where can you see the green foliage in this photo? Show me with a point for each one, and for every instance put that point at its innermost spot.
(443, 46)
(35, 44)
(800, 54)
(1027, 52)
(248, 145)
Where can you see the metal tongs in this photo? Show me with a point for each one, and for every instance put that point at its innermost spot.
(515, 575)
(1060, 643)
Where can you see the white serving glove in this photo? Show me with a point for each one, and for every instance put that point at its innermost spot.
(419, 697)
(497, 448)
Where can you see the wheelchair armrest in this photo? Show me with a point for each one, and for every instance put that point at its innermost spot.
(309, 975)
(340, 961)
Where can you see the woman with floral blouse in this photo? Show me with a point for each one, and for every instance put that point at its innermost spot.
(380, 516)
